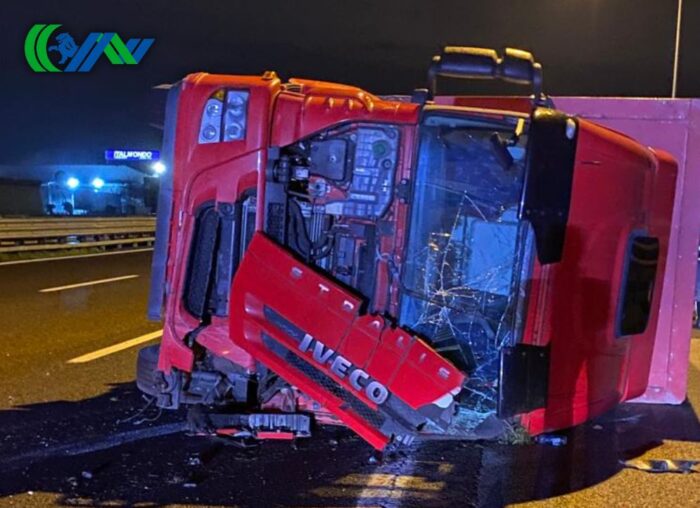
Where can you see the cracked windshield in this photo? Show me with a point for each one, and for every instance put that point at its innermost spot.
(468, 260)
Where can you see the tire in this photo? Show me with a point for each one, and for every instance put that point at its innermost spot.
(148, 377)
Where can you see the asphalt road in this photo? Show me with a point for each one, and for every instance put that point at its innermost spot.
(70, 433)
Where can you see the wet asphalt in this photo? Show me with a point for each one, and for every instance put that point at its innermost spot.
(72, 434)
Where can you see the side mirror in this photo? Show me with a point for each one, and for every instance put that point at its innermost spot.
(549, 177)
(515, 66)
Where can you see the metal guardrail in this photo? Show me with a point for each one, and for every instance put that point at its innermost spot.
(51, 233)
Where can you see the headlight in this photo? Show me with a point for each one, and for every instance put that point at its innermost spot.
(210, 127)
(236, 115)
(224, 117)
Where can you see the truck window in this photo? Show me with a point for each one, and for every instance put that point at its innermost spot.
(467, 250)
(638, 284)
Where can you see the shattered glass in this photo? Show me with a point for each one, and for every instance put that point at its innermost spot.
(469, 258)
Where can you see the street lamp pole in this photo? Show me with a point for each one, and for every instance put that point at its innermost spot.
(679, 16)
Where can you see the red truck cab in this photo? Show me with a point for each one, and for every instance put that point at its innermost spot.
(408, 266)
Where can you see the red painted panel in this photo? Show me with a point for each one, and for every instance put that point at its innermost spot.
(674, 126)
(317, 105)
(619, 188)
(199, 173)
(270, 277)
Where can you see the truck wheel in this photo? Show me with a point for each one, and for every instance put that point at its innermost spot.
(148, 377)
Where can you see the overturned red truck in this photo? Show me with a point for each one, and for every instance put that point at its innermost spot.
(409, 266)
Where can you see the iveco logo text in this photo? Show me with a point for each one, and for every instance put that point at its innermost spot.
(342, 367)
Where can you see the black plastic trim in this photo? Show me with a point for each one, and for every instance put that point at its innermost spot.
(640, 269)
(524, 379)
(165, 209)
(549, 178)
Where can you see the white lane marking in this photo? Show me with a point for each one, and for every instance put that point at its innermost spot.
(88, 283)
(116, 348)
(61, 258)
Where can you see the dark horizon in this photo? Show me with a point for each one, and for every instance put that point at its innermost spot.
(617, 47)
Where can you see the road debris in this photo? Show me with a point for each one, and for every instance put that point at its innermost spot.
(663, 465)
(374, 458)
(551, 440)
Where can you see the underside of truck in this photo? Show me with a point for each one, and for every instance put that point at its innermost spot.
(380, 268)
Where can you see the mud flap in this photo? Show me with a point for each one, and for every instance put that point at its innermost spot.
(378, 379)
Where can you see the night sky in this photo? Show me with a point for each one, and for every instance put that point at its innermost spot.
(587, 47)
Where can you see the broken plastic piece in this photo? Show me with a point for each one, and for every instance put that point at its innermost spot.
(551, 440)
(663, 465)
(284, 436)
(262, 425)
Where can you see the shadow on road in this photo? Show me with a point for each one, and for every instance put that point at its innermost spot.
(334, 468)
(592, 455)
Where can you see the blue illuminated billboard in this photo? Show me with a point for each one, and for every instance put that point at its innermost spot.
(132, 155)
